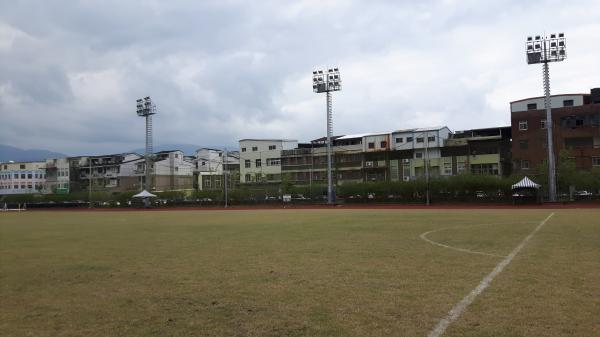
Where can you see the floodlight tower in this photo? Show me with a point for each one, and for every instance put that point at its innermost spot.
(145, 108)
(543, 49)
(327, 83)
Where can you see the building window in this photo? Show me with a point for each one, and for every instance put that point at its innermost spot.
(447, 169)
(273, 161)
(420, 139)
(568, 102)
(595, 161)
(29, 176)
(22, 166)
(247, 163)
(383, 144)
(409, 139)
(524, 164)
(522, 125)
(542, 124)
(523, 144)
(431, 139)
(22, 175)
(255, 148)
(418, 154)
(532, 106)
(272, 147)
(371, 145)
(248, 177)
(243, 149)
(460, 167)
(399, 140)
(258, 163)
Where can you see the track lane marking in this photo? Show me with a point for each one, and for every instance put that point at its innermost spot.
(458, 309)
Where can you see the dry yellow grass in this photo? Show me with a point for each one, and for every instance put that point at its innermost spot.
(295, 273)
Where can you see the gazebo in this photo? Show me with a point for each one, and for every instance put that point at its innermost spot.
(526, 191)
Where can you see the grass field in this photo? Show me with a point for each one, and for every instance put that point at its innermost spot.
(297, 273)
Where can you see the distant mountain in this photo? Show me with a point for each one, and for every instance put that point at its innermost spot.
(8, 153)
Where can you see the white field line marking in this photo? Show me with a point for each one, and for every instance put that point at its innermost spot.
(458, 309)
(464, 250)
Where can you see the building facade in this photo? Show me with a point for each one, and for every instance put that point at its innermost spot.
(576, 131)
(260, 159)
(22, 178)
(210, 167)
(57, 176)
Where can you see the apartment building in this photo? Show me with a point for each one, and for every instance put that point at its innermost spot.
(170, 171)
(57, 176)
(424, 144)
(576, 129)
(478, 151)
(260, 159)
(22, 177)
(210, 165)
(108, 173)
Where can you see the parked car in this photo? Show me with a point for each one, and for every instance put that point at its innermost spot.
(480, 194)
(583, 194)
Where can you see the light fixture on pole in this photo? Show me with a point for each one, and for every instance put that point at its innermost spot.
(544, 49)
(145, 108)
(328, 82)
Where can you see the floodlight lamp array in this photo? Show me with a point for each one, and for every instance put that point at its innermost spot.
(324, 81)
(145, 107)
(543, 49)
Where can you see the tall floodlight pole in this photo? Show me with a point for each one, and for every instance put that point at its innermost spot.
(543, 49)
(145, 108)
(328, 82)
(225, 173)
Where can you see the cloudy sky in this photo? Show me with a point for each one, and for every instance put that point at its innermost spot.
(219, 71)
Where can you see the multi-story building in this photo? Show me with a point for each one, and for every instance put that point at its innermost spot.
(576, 129)
(478, 151)
(210, 164)
(170, 171)
(57, 176)
(108, 173)
(260, 159)
(22, 177)
(424, 144)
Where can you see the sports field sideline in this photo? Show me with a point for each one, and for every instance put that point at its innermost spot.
(350, 272)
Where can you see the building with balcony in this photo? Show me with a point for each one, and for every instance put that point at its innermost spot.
(57, 176)
(106, 173)
(210, 165)
(170, 171)
(477, 151)
(260, 159)
(576, 130)
(22, 178)
(424, 145)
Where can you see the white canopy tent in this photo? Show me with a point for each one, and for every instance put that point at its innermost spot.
(144, 194)
(526, 183)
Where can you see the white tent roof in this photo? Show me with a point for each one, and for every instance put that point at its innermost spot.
(526, 183)
(144, 194)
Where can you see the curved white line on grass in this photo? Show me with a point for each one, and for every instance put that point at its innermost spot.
(464, 250)
(458, 309)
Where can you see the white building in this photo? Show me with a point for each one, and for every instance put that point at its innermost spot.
(171, 170)
(426, 144)
(209, 167)
(57, 176)
(260, 159)
(22, 177)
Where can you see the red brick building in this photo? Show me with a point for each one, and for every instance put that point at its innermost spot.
(576, 128)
